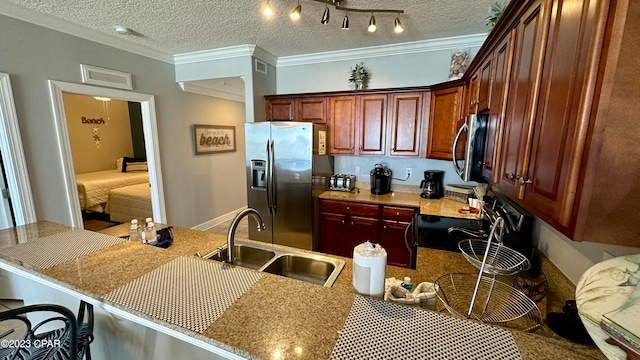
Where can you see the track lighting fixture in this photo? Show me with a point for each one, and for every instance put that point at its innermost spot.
(345, 22)
(372, 24)
(325, 16)
(398, 26)
(267, 10)
(296, 13)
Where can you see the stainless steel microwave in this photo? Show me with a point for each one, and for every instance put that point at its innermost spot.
(468, 148)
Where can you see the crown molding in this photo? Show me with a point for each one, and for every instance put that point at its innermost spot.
(225, 53)
(384, 50)
(21, 13)
(187, 87)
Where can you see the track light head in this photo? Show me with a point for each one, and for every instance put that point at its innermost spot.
(398, 26)
(295, 14)
(345, 22)
(372, 24)
(325, 16)
(267, 10)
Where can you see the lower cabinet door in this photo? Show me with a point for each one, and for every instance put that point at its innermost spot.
(360, 230)
(332, 233)
(392, 240)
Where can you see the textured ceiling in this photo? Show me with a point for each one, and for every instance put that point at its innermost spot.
(177, 27)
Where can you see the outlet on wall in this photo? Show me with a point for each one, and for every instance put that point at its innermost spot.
(409, 172)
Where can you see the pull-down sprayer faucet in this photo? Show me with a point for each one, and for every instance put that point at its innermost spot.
(231, 234)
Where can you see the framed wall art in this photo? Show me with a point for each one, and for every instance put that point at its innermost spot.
(214, 139)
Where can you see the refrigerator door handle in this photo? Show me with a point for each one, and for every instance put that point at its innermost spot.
(269, 180)
(274, 197)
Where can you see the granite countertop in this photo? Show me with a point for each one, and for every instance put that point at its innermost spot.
(284, 313)
(406, 196)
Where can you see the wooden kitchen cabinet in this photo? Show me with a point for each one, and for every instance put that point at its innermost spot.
(371, 113)
(281, 109)
(444, 118)
(345, 224)
(502, 56)
(568, 125)
(395, 221)
(480, 87)
(405, 116)
(530, 41)
(548, 182)
(342, 125)
(312, 109)
(308, 109)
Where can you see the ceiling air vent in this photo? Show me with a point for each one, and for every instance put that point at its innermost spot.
(261, 66)
(105, 77)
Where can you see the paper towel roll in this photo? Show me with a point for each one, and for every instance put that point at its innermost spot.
(369, 264)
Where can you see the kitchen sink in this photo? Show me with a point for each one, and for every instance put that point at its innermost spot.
(312, 268)
(246, 256)
(305, 268)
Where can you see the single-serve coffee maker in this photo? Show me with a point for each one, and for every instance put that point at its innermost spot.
(432, 187)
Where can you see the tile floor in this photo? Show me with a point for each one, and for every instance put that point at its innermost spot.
(242, 231)
(11, 329)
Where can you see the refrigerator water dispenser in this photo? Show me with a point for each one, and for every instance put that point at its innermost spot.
(258, 174)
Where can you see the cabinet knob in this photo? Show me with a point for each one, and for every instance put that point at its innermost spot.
(524, 181)
(352, 223)
(385, 227)
(348, 208)
(397, 213)
(511, 176)
(342, 221)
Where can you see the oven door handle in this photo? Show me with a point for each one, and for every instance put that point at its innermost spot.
(406, 240)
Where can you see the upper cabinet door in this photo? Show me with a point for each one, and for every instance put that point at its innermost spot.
(406, 120)
(560, 130)
(484, 87)
(281, 109)
(342, 125)
(502, 56)
(444, 119)
(372, 121)
(312, 109)
(523, 94)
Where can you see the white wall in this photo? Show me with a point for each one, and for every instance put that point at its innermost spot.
(32, 55)
(410, 64)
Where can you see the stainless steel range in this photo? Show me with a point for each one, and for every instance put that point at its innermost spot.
(444, 233)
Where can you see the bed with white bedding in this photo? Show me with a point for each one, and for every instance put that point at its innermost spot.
(94, 187)
(129, 202)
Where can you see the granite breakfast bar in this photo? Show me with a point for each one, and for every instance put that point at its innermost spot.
(276, 317)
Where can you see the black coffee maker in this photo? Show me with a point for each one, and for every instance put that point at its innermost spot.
(432, 187)
(380, 180)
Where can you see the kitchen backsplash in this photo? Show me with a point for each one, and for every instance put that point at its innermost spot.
(360, 166)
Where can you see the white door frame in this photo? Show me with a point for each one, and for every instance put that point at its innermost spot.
(150, 129)
(13, 157)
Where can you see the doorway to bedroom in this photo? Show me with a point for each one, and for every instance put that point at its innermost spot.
(103, 132)
(130, 165)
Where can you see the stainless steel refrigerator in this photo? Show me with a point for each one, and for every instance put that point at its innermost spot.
(287, 167)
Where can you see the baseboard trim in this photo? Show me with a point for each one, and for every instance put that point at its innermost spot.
(210, 224)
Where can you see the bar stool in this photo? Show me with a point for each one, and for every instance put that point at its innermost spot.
(19, 339)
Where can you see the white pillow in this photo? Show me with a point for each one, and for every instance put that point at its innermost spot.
(137, 166)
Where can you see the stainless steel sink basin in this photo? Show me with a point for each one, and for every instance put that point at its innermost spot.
(299, 265)
(246, 256)
(305, 268)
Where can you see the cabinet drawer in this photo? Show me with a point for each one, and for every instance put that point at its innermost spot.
(351, 208)
(397, 213)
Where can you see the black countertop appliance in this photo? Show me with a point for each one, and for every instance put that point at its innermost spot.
(432, 187)
(380, 180)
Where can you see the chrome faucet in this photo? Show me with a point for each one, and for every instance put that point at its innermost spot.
(231, 234)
